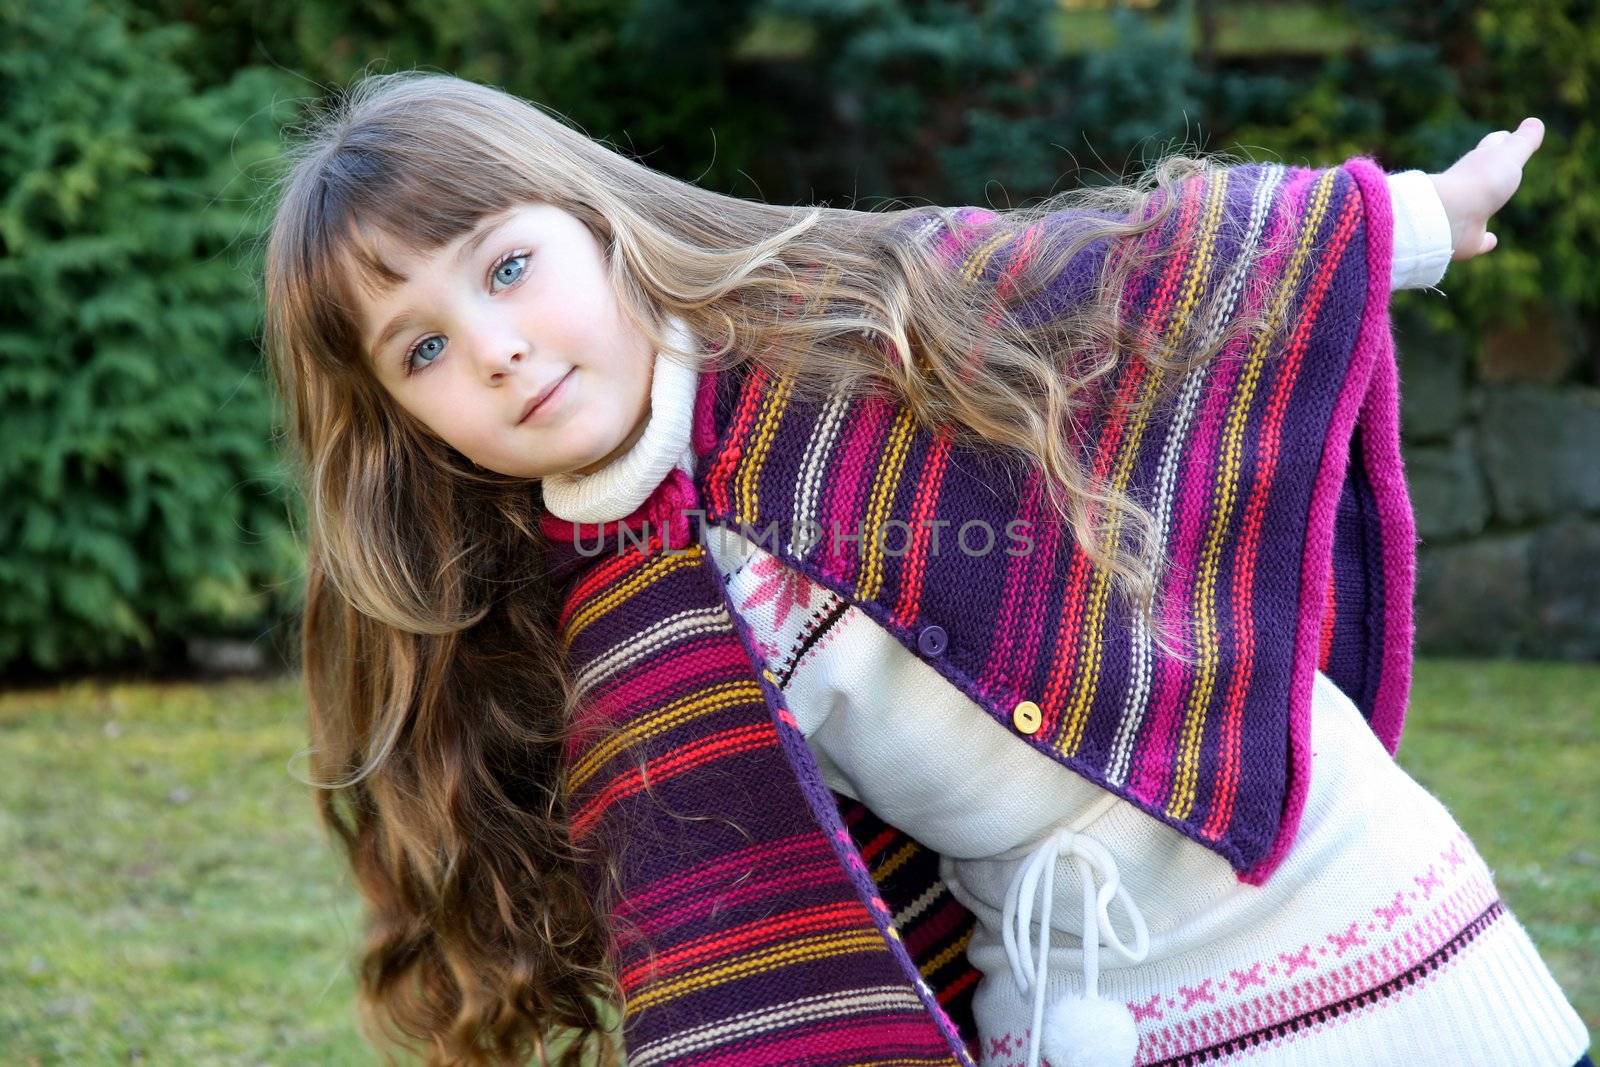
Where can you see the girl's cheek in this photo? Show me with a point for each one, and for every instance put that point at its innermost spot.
(572, 328)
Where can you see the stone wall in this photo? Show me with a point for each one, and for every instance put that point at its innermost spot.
(1502, 454)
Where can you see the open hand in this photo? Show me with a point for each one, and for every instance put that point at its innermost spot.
(1480, 182)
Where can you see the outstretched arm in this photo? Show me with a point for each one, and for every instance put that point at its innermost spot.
(1440, 218)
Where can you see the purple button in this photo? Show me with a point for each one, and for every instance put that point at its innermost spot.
(932, 640)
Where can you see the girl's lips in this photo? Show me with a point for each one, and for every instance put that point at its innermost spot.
(544, 403)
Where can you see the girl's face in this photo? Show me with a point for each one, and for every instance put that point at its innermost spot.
(485, 326)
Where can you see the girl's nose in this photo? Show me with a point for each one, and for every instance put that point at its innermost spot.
(502, 357)
(513, 357)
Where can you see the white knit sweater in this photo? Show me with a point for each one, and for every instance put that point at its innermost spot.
(1378, 941)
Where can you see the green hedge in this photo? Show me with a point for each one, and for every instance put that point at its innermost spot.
(1427, 82)
(142, 498)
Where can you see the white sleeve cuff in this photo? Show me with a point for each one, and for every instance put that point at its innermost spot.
(1422, 244)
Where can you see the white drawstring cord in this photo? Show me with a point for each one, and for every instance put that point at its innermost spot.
(1092, 858)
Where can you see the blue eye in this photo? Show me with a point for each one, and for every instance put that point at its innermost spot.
(415, 350)
(418, 349)
(503, 264)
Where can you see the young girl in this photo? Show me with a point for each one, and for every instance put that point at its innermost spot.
(766, 780)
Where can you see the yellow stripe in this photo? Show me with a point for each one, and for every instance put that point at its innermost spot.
(885, 483)
(796, 950)
(684, 709)
(979, 259)
(947, 955)
(895, 861)
(1229, 467)
(760, 447)
(657, 568)
(1077, 717)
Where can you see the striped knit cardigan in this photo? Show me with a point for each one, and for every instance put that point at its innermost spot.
(763, 918)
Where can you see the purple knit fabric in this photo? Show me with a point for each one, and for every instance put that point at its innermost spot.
(758, 910)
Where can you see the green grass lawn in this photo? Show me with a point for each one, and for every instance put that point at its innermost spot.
(169, 898)
(1511, 749)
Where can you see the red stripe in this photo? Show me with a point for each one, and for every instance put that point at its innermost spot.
(1268, 447)
(860, 1039)
(924, 506)
(796, 849)
(1133, 375)
(879, 843)
(691, 755)
(596, 580)
(1002, 661)
(854, 466)
(808, 875)
(1022, 254)
(919, 936)
(953, 990)
(728, 461)
(825, 918)
(1066, 663)
(666, 674)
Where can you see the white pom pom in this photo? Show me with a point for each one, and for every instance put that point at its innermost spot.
(1080, 1032)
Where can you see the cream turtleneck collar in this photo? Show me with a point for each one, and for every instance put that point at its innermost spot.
(617, 489)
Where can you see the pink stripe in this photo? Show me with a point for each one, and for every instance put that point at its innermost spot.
(1070, 640)
(1370, 396)
(1268, 449)
(913, 571)
(704, 435)
(1047, 546)
(853, 473)
(865, 1036)
(1154, 767)
(781, 851)
(809, 874)
(956, 240)
(647, 683)
(1019, 578)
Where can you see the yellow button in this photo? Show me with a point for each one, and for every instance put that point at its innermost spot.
(1027, 717)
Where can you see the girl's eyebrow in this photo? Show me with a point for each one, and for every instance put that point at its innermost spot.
(403, 318)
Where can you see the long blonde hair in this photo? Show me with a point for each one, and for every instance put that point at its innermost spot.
(439, 705)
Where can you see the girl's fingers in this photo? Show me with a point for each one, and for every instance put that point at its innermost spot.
(1473, 244)
(1528, 137)
(1525, 141)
